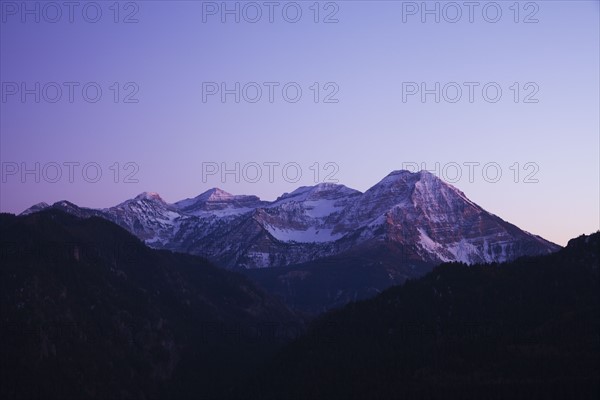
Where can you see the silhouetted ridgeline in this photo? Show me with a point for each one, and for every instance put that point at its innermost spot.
(528, 329)
(88, 311)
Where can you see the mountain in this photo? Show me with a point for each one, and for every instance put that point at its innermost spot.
(527, 329)
(147, 216)
(35, 208)
(88, 311)
(436, 222)
(331, 244)
(429, 220)
(331, 282)
(218, 201)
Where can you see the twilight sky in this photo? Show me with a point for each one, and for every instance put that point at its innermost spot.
(167, 115)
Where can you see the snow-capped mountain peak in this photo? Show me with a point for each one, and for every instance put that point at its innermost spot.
(215, 194)
(149, 196)
(216, 199)
(324, 190)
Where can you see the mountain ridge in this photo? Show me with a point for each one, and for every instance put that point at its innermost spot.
(435, 221)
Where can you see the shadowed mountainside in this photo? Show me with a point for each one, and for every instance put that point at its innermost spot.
(528, 329)
(88, 311)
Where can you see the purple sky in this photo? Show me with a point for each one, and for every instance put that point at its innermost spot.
(375, 53)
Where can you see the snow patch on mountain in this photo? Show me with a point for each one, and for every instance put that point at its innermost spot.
(430, 245)
(464, 251)
(309, 235)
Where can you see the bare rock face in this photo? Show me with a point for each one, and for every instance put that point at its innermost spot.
(431, 221)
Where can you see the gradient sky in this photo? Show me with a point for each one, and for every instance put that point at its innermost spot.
(368, 54)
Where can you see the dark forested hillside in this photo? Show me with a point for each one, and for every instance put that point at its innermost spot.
(321, 285)
(523, 330)
(88, 311)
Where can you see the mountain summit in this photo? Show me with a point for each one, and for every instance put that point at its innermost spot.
(217, 200)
